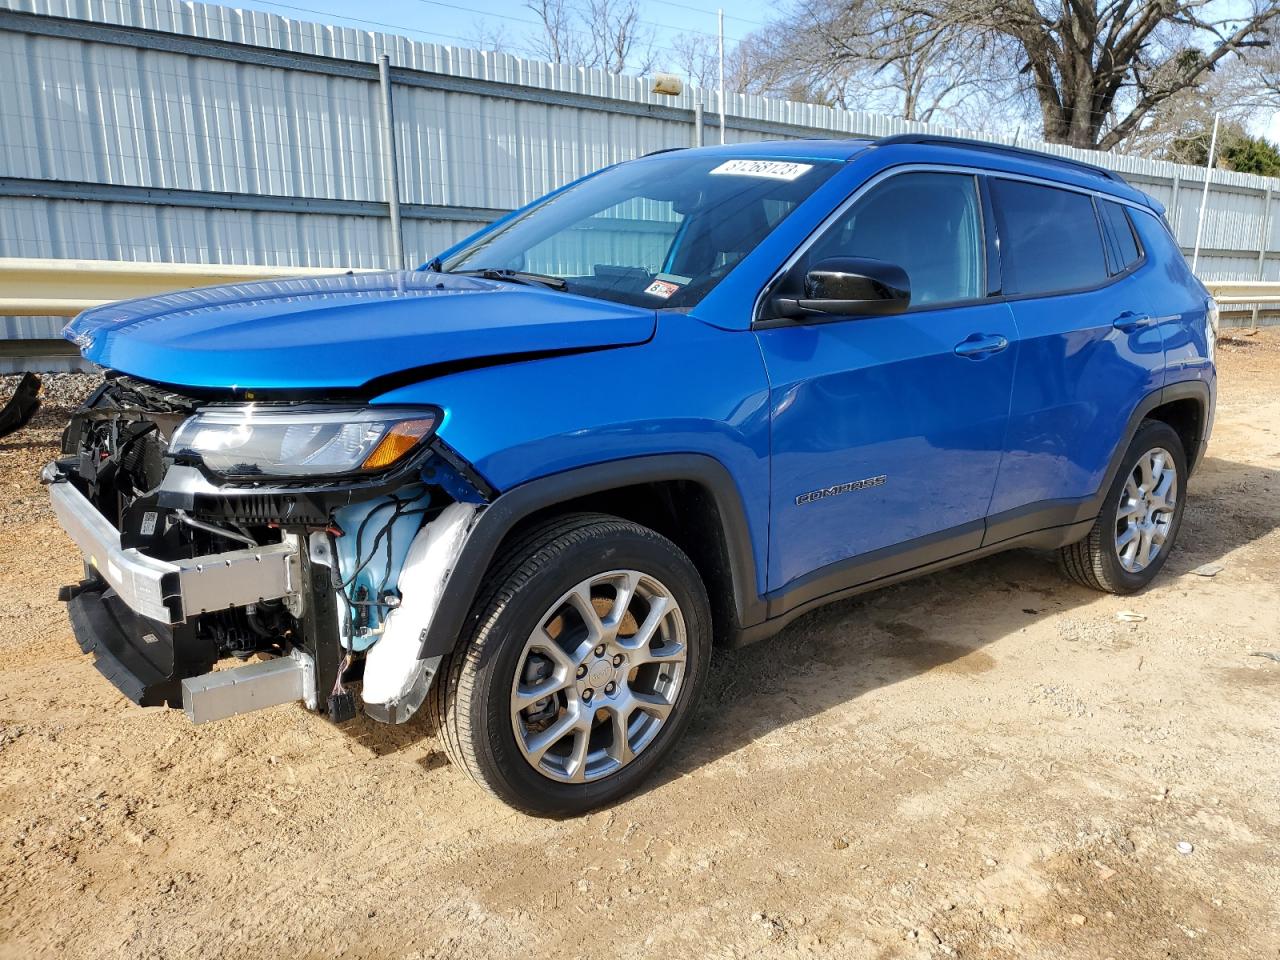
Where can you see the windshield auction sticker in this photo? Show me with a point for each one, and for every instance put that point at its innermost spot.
(768, 169)
(661, 288)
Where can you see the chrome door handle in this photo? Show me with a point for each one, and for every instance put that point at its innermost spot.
(1129, 321)
(978, 345)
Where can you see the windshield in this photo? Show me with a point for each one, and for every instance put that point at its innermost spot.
(660, 232)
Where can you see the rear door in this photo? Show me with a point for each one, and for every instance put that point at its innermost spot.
(1089, 350)
(887, 431)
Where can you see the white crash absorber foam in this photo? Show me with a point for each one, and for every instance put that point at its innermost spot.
(395, 680)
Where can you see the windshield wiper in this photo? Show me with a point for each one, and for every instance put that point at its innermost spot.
(516, 276)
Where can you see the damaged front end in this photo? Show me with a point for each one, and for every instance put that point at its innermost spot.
(309, 541)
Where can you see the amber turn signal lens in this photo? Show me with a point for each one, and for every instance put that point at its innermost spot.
(399, 440)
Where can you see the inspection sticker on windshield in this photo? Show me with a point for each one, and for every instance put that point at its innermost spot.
(769, 169)
(662, 288)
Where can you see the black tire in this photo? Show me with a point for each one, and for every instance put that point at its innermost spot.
(471, 700)
(1094, 561)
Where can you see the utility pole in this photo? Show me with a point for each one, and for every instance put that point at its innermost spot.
(720, 13)
(1204, 195)
(390, 168)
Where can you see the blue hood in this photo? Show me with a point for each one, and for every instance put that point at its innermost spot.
(344, 331)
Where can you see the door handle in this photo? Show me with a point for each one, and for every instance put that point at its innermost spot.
(978, 345)
(1130, 321)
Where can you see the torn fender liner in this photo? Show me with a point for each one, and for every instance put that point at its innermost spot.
(395, 680)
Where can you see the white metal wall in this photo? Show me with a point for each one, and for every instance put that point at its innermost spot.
(161, 130)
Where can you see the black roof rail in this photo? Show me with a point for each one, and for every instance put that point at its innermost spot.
(654, 153)
(941, 141)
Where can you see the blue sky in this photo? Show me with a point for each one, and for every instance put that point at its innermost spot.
(458, 23)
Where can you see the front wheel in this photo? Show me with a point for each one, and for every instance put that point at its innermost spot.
(590, 647)
(1131, 539)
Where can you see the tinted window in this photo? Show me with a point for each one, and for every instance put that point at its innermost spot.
(1122, 246)
(929, 224)
(1049, 238)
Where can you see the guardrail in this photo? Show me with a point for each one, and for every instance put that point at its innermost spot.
(1229, 292)
(62, 288)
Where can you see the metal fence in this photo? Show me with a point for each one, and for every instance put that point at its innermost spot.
(154, 130)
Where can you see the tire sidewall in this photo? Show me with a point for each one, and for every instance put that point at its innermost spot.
(1150, 435)
(509, 773)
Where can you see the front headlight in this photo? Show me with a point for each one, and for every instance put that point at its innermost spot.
(252, 440)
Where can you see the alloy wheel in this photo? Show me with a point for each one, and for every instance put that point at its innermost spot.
(1145, 515)
(598, 676)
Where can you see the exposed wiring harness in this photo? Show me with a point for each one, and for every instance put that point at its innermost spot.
(400, 508)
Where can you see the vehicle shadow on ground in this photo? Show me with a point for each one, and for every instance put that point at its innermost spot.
(849, 648)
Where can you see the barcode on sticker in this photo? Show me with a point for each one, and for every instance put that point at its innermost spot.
(148, 523)
(769, 169)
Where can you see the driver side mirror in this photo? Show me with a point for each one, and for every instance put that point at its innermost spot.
(849, 287)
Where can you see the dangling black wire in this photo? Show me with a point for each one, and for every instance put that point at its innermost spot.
(398, 512)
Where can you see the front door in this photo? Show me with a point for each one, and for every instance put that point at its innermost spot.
(887, 431)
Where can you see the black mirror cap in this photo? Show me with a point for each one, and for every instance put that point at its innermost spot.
(851, 287)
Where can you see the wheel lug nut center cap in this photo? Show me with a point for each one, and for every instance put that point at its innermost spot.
(600, 673)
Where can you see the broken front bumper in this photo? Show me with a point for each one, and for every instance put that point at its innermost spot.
(131, 614)
(171, 591)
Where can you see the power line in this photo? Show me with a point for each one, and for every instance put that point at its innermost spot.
(467, 41)
(507, 18)
(371, 23)
(709, 13)
(327, 17)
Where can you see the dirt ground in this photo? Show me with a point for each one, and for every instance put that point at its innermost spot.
(988, 762)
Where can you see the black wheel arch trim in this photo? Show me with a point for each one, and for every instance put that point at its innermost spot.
(512, 506)
(1182, 390)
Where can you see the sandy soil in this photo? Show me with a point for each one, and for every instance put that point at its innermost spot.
(987, 762)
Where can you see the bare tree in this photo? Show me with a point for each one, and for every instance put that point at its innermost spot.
(606, 34)
(1262, 73)
(696, 57)
(559, 41)
(1180, 126)
(485, 35)
(879, 54)
(1099, 68)
(618, 40)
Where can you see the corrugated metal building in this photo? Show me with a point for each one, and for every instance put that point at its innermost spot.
(160, 130)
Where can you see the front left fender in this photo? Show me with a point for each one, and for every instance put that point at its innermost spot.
(501, 516)
(693, 391)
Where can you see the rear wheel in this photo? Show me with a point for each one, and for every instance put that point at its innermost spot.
(1132, 537)
(589, 650)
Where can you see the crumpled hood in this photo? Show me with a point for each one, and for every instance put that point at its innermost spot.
(344, 331)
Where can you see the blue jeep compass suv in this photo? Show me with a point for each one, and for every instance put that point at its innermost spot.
(676, 403)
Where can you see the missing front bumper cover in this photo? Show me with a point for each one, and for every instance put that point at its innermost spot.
(171, 591)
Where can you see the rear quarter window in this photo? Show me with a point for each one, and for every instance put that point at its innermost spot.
(1122, 244)
(1049, 238)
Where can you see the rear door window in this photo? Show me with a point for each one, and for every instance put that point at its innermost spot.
(1050, 241)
